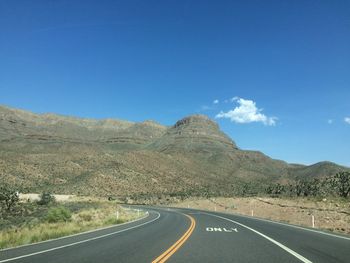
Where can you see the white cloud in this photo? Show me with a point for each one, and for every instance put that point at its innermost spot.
(247, 112)
(234, 99)
(215, 101)
(330, 121)
(347, 120)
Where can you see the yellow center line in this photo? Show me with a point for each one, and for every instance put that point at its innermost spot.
(171, 250)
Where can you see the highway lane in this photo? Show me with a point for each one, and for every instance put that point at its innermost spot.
(140, 241)
(313, 245)
(188, 235)
(216, 240)
(236, 238)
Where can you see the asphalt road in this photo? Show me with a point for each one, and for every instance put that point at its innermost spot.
(187, 235)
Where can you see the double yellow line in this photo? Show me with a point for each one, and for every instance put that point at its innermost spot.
(171, 250)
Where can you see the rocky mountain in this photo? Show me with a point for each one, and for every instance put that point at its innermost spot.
(86, 156)
(194, 134)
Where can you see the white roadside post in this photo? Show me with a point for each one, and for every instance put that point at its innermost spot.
(117, 215)
(313, 221)
(252, 212)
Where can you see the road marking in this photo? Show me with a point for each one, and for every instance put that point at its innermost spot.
(284, 224)
(298, 227)
(170, 251)
(290, 251)
(219, 229)
(80, 242)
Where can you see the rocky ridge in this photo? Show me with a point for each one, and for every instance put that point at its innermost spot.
(69, 155)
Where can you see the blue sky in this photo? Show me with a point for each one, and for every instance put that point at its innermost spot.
(279, 70)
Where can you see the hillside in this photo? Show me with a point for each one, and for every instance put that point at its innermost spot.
(86, 156)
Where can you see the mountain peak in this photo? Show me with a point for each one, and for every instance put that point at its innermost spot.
(194, 133)
(196, 119)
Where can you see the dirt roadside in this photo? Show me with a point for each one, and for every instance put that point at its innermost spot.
(35, 197)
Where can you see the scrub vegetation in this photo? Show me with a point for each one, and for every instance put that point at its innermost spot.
(28, 222)
(337, 185)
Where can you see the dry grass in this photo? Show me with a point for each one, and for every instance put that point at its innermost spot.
(81, 221)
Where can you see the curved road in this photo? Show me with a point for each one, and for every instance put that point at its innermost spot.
(188, 235)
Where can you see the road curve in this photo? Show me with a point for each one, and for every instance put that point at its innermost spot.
(188, 235)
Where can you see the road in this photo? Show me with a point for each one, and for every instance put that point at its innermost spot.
(188, 235)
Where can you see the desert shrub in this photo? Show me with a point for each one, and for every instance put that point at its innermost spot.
(58, 214)
(275, 190)
(338, 184)
(248, 189)
(306, 187)
(9, 197)
(111, 198)
(341, 183)
(46, 198)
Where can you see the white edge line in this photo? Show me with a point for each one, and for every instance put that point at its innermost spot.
(79, 242)
(275, 222)
(304, 228)
(77, 234)
(289, 225)
(290, 251)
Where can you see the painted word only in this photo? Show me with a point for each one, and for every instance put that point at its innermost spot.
(221, 229)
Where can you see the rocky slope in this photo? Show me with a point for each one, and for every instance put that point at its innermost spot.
(86, 156)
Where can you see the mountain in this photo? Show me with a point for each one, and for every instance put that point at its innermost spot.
(85, 156)
(194, 134)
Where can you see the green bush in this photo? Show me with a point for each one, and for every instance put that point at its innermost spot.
(58, 214)
(9, 197)
(46, 198)
(341, 183)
